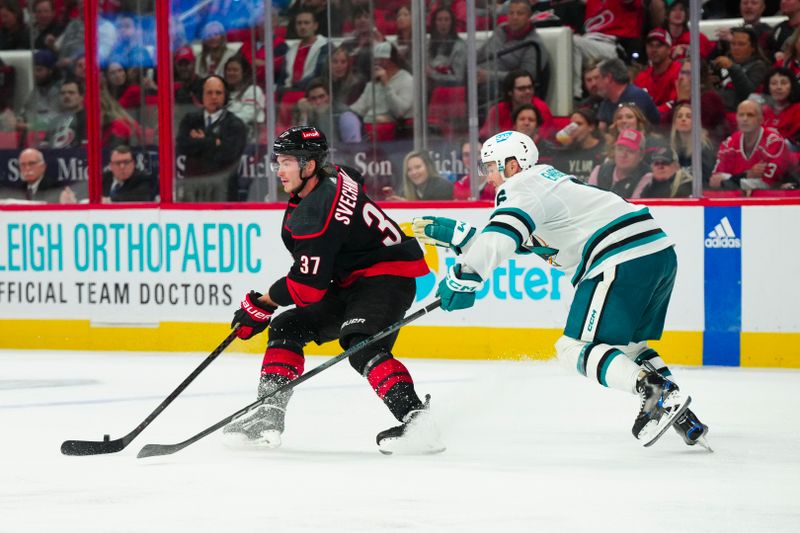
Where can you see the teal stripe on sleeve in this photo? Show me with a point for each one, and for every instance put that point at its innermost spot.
(590, 241)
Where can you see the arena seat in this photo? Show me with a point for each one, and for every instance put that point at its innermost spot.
(558, 42)
(775, 193)
(22, 61)
(284, 116)
(447, 110)
(713, 193)
(709, 28)
(9, 140)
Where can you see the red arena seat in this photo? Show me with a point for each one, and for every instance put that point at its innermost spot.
(775, 193)
(447, 110)
(735, 193)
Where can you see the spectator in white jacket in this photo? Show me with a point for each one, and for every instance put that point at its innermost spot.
(246, 99)
(392, 86)
(306, 57)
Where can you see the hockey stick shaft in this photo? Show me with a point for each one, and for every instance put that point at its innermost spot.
(150, 450)
(93, 447)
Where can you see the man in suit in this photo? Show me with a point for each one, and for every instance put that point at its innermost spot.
(35, 185)
(213, 141)
(126, 183)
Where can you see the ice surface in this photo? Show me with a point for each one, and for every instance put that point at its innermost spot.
(530, 447)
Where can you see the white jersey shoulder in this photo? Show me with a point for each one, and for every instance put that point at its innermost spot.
(576, 227)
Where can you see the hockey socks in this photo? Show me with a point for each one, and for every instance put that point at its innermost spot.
(392, 382)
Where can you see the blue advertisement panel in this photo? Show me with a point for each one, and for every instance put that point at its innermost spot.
(723, 285)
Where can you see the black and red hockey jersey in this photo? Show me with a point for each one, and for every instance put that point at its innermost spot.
(337, 234)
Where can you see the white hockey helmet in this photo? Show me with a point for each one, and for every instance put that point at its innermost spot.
(503, 146)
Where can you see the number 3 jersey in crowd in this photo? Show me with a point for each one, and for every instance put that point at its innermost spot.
(577, 228)
(769, 149)
(337, 234)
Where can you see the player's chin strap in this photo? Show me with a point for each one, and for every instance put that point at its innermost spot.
(302, 161)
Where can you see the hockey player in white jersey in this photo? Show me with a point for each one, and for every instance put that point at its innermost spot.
(620, 261)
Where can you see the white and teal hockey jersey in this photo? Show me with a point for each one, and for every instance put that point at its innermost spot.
(578, 228)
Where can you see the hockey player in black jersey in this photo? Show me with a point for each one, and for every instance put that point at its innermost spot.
(353, 275)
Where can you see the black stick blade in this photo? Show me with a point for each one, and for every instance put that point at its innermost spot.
(92, 447)
(154, 450)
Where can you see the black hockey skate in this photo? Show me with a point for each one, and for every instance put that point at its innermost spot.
(417, 435)
(264, 425)
(691, 430)
(662, 404)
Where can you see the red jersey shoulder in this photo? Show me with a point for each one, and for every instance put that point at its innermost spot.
(772, 143)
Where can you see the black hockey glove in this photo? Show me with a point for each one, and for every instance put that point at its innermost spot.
(253, 316)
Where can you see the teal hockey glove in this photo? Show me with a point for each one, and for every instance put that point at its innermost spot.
(457, 289)
(443, 231)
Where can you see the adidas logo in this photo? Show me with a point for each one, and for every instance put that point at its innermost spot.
(723, 236)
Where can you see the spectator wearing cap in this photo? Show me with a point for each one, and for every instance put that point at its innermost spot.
(14, 33)
(659, 78)
(667, 178)
(389, 96)
(306, 57)
(627, 174)
(215, 50)
(41, 107)
(188, 85)
(615, 86)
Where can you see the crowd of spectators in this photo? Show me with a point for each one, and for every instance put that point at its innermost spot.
(345, 67)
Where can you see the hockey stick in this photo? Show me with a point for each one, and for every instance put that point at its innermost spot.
(151, 450)
(95, 447)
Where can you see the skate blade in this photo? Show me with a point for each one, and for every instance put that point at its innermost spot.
(664, 426)
(269, 439)
(410, 450)
(702, 442)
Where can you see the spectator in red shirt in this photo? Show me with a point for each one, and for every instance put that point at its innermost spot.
(753, 157)
(678, 27)
(304, 59)
(518, 87)
(462, 188)
(526, 119)
(607, 23)
(279, 49)
(782, 104)
(791, 54)
(659, 78)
